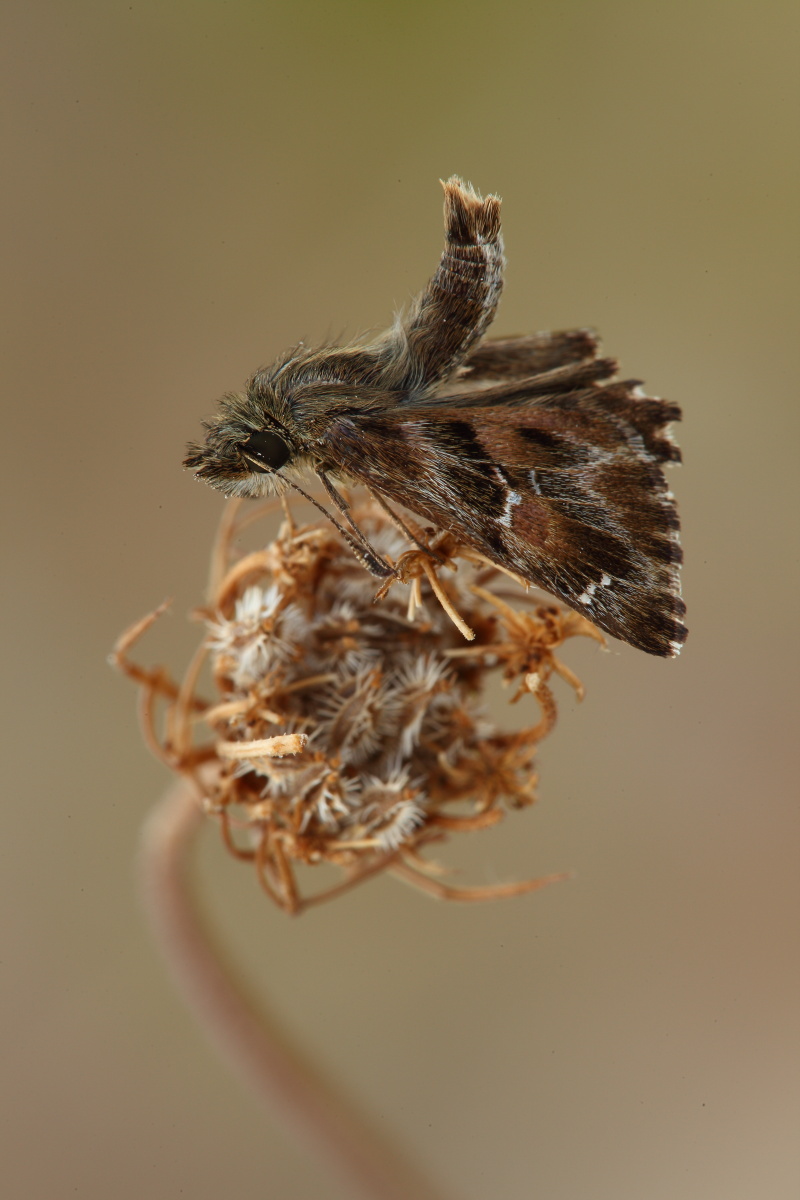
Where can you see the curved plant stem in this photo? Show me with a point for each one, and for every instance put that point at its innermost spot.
(290, 1087)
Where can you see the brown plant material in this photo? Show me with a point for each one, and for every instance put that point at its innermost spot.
(348, 730)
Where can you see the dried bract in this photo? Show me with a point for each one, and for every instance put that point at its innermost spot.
(352, 731)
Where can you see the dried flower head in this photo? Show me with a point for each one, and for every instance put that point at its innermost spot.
(352, 731)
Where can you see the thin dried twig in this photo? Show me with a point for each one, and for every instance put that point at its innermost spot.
(471, 895)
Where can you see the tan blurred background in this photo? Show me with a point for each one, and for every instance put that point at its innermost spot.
(190, 187)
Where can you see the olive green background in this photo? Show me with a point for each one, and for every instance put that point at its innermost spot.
(190, 187)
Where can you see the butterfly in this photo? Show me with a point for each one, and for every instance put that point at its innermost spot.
(526, 448)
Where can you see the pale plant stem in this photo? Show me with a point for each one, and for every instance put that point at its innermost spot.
(291, 1088)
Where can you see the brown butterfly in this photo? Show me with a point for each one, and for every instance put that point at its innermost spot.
(524, 447)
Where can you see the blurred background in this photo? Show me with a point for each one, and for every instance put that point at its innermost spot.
(191, 187)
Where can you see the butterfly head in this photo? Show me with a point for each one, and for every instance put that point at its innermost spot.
(245, 447)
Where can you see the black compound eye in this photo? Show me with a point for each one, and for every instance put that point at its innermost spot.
(266, 450)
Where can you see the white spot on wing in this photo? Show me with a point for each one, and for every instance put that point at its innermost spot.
(512, 499)
(587, 597)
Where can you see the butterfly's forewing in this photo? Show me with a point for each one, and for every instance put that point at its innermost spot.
(565, 490)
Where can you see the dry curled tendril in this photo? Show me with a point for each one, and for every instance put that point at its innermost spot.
(347, 729)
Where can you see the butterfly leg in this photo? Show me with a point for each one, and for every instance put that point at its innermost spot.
(400, 523)
(366, 554)
(369, 558)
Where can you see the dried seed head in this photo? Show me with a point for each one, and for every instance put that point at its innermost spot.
(352, 732)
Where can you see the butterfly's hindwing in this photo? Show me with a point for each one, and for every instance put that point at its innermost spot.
(530, 354)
